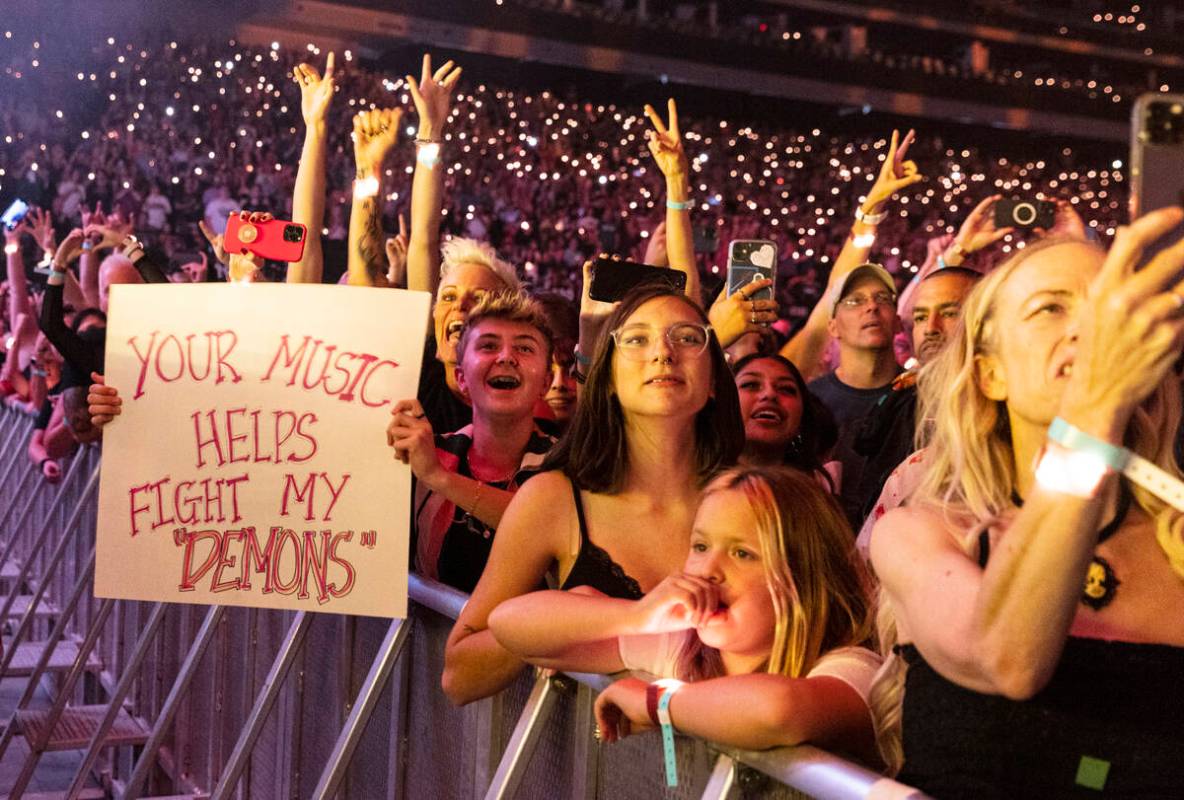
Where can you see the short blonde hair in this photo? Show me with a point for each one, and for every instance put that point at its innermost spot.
(512, 306)
(459, 250)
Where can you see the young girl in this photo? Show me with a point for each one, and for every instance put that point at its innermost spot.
(773, 654)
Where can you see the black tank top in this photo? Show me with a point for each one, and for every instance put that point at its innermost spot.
(1110, 723)
(595, 567)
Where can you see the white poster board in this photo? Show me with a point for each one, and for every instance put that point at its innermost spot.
(249, 465)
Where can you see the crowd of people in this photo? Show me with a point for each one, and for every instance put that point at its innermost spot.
(1034, 75)
(969, 396)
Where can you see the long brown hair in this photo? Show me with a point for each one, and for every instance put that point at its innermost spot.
(594, 454)
(819, 585)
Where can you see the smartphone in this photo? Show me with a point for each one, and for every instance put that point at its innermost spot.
(1157, 159)
(14, 214)
(612, 280)
(1025, 214)
(751, 260)
(276, 239)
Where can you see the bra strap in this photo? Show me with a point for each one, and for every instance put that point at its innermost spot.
(575, 494)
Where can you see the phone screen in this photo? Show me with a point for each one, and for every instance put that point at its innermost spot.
(1157, 158)
(749, 260)
(14, 213)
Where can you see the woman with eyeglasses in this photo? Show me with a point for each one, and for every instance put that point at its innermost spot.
(612, 510)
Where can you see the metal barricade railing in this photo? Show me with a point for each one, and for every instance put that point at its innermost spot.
(269, 704)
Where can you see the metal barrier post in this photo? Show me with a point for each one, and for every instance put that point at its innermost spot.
(58, 632)
(268, 693)
(525, 738)
(172, 703)
(380, 670)
(21, 491)
(115, 702)
(59, 704)
(43, 584)
(723, 778)
(12, 449)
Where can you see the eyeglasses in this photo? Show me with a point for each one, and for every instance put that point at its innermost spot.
(881, 299)
(684, 338)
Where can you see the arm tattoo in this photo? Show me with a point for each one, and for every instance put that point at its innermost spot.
(370, 249)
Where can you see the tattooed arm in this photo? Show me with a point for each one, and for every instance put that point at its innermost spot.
(374, 133)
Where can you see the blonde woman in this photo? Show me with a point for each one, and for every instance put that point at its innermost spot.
(1037, 597)
(768, 619)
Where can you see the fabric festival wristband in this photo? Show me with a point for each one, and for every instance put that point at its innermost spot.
(674, 205)
(1134, 467)
(668, 751)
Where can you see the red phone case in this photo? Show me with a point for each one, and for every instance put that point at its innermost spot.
(274, 240)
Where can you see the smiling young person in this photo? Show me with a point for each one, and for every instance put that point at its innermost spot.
(465, 479)
(657, 418)
(784, 423)
(769, 615)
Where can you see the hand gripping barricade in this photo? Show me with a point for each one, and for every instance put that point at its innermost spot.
(269, 704)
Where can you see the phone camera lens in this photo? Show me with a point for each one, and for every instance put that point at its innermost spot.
(1024, 214)
(292, 233)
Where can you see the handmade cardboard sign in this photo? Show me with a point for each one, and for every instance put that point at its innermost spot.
(249, 465)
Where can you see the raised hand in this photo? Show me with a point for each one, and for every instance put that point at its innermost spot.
(979, 231)
(1130, 326)
(215, 240)
(396, 256)
(432, 95)
(41, 227)
(109, 233)
(732, 317)
(665, 141)
(375, 132)
(70, 248)
(316, 92)
(1067, 222)
(896, 173)
(95, 217)
(655, 248)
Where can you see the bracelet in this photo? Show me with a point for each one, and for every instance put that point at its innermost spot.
(674, 205)
(869, 219)
(476, 499)
(581, 359)
(41, 464)
(1073, 438)
(864, 240)
(421, 142)
(1132, 466)
(669, 687)
(87, 245)
(427, 154)
(579, 375)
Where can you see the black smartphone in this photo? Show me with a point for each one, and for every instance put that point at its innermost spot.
(1025, 214)
(1157, 159)
(750, 260)
(612, 280)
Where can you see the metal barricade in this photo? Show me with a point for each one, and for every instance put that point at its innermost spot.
(268, 704)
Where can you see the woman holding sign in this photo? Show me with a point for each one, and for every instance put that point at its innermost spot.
(657, 418)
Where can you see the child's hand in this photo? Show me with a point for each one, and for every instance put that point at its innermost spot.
(679, 602)
(620, 710)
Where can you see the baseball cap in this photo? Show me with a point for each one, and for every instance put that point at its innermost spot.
(863, 270)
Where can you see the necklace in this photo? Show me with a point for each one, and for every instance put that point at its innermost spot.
(1101, 584)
